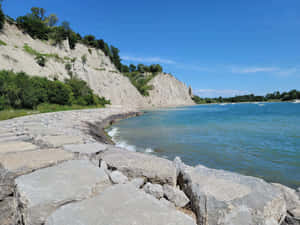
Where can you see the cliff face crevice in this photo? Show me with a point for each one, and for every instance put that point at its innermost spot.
(97, 70)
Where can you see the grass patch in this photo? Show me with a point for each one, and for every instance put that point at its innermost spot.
(43, 108)
(100, 69)
(2, 43)
(37, 54)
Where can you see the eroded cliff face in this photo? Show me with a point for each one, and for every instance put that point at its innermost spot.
(98, 71)
(168, 91)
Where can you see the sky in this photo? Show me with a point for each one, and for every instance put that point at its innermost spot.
(220, 48)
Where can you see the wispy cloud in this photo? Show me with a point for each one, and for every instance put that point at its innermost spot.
(216, 93)
(253, 69)
(148, 59)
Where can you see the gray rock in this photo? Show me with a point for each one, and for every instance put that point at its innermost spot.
(8, 212)
(291, 198)
(166, 203)
(103, 165)
(138, 182)
(16, 146)
(89, 149)
(15, 138)
(154, 189)
(134, 164)
(295, 213)
(25, 162)
(117, 177)
(175, 195)
(42, 191)
(121, 204)
(6, 183)
(57, 141)
(221, 197)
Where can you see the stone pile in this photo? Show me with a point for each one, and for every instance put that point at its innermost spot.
(65, 177)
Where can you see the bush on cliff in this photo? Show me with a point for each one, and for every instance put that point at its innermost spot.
(18, 90)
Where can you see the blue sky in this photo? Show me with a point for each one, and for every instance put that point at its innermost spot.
(218, 47)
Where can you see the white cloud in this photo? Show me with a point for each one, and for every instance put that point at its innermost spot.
(148, 59)
(216, 93)
(254, 69)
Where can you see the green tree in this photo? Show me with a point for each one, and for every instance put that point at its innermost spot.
(2, 17)
(116, 58)
(51, 20)
(132, 68)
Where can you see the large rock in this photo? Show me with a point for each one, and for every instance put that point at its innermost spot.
(291, 198)
(6, 183)
(121, 204)
(8, 206)
(117, 177)
(175, 195)
(17, 146)
(25, 162)
(57, 141)
(134, 164)
(42, 191)
(154, 189)
(8, 212)
(221, 197)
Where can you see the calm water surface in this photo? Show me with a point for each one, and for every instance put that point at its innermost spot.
(260, 139)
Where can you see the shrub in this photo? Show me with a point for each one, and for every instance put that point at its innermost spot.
(41, 60)
(18, 90)
(60, 94)
(2, 43)
(83, 59)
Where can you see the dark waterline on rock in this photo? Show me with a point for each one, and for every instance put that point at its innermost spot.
(261, 140)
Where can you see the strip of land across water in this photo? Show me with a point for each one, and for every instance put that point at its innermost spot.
(61, 168)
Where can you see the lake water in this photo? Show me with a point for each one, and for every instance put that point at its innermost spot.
(261, 139)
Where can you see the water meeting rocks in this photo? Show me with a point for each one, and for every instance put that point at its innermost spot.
(42, 191)
(134, 164)
(121, 204)
(221, 197)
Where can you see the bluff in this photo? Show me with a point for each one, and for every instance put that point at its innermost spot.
(18, 52)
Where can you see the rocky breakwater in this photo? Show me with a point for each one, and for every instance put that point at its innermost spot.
(55, 172)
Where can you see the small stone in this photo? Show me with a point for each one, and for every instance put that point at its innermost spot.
(295, 213)
(176, 196)
(118, 178)
(138, 182)
(103, 165)
(154, 189)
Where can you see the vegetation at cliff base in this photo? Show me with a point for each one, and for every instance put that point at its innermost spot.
(271, 97)
(20, 91)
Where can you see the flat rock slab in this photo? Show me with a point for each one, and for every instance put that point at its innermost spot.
(42, 191)
(134, 164)
(15, 138)
(221, 197)
(57, 141)
(24, 162)
(90, 148)
(16, 146)
(121, 204)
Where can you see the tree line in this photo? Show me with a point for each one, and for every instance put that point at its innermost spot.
(18, 90)
(275, 96)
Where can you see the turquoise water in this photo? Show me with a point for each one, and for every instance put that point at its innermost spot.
(260, 139)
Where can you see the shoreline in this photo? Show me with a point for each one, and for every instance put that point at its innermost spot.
(97, 130)
(73, 141)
